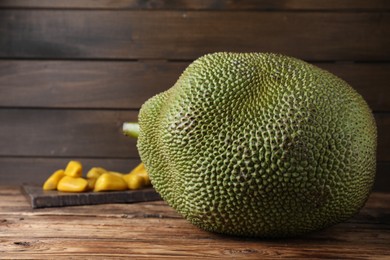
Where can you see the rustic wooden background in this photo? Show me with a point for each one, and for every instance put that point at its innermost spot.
(72, 71)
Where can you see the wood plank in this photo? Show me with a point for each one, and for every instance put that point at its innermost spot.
(93, 133)
(123, 230)
(127, 85)
(79, 34)
(374, 5)
(383, 126)
(196, 248)
(66, 133)
(87, 84)
(38, 198)
(382, 178)
(19, 170)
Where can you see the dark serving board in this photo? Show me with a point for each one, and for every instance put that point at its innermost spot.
(39, 198)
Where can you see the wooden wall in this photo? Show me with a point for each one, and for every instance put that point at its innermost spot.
(72, 71)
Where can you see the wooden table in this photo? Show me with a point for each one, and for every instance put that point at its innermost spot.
(153, 230)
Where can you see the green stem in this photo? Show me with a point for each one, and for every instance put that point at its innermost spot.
(131, 129)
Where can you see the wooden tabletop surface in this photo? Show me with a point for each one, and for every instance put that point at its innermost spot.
(151, 230)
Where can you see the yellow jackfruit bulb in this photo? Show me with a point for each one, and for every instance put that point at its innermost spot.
(72, 184)
(116, 173)
(134, 181)
(95, 172)
(141, 171)
(110, 182)
(52, 182)
(74, 169)
(146, 178)
(91, 183)
(139, 168)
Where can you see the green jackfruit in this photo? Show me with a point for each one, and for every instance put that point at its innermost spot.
(260, 145)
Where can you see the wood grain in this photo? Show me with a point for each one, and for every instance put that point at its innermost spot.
(79, 34)
(127, 85)
(382, 178)
(289, 5)
(154, 230)
(69, 133)
(87, 84)
(383, 128)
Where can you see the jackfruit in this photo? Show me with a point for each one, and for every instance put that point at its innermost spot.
(260, 145)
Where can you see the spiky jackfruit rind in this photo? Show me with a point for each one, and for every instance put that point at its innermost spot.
(259, 144)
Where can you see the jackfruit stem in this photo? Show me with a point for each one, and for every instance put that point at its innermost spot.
(131, 129)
